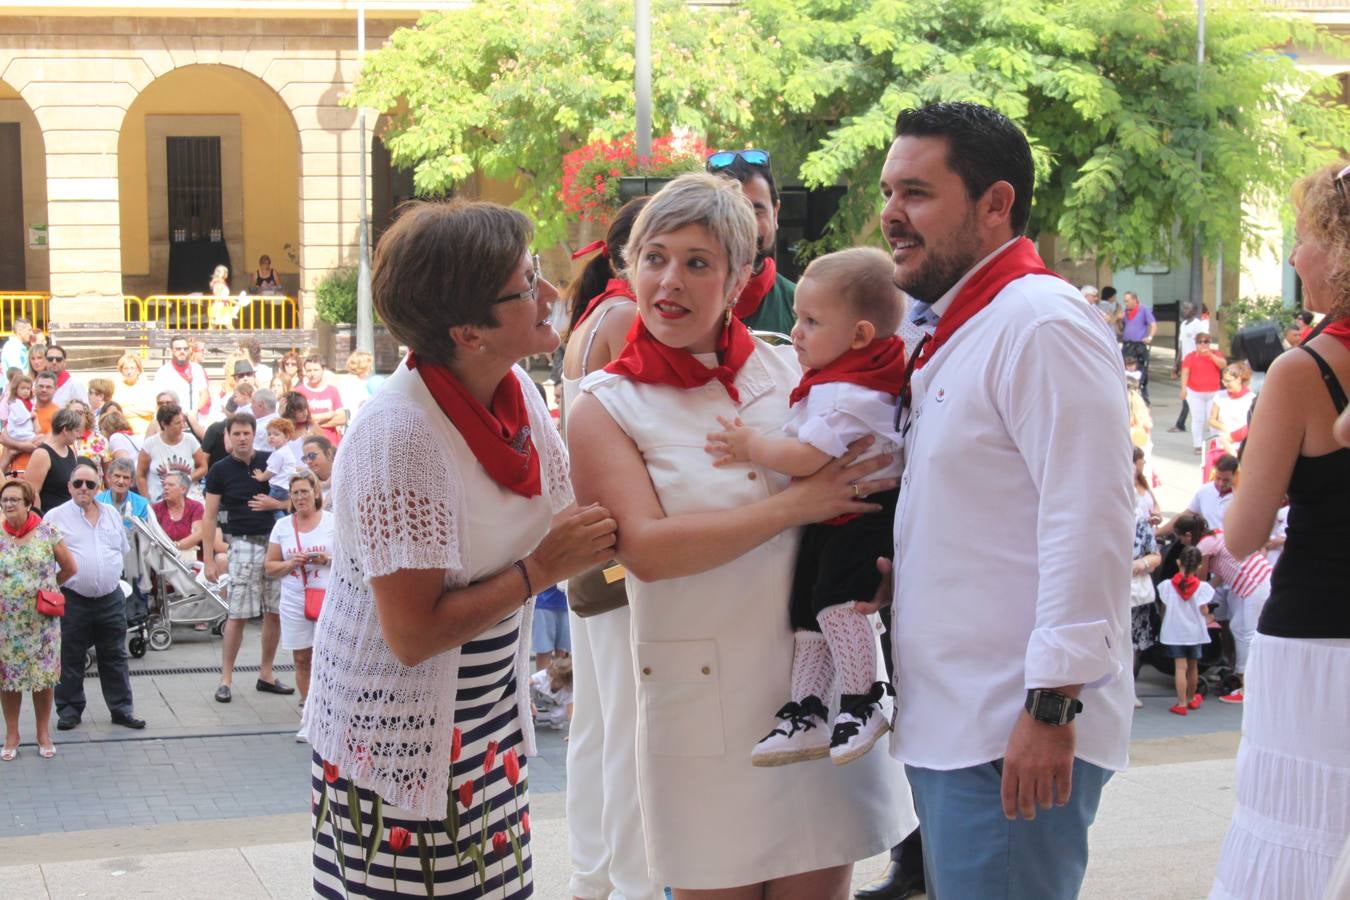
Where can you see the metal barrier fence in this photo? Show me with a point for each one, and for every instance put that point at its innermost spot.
(30, 305)
(183, 312)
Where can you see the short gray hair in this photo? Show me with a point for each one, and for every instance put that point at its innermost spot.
(1091, 289)
(265, 398)
(122, 464)
(698, 198)
(180, 477)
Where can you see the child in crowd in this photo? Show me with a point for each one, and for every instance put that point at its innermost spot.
(1185, 626)
(1231, 408)
(18, 414)
(848, 309)
(281, 462)
(551, 693)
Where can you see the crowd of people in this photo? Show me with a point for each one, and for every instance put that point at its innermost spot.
(186, 456)
(715, 525)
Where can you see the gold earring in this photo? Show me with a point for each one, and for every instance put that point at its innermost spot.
(731, 311)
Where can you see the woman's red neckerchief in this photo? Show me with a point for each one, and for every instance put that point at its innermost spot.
(1186, 585)
(615, 287)
(756, 289)
(1340, 330)
(590, 248)
(649, 361)
(499, 437)
(33, 521)
(879, 366)
(1018, 259)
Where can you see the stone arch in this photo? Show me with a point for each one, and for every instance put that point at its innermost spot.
(23, 199)
(203, 95)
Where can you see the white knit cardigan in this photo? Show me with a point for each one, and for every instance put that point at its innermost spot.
(398, 499)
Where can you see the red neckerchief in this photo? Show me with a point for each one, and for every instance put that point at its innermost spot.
(615, 287)
(33, 521)
(879, 366)
(499, 437)
(184, 370)
(1018, 259)
(649, 361)
(27, 402)
(1340, 330)
(756, 289)
(62, 377)
(1131, 313)
(1244, 391)
(1186, 585)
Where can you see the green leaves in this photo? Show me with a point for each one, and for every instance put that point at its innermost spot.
(1108, 91)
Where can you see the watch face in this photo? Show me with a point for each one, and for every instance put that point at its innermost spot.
(1052, 707)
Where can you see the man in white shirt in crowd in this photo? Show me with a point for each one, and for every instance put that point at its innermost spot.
(1016, 434)
(1210, 500)
(185, 378)
(264, 410)
(1191, 324)
(95, 605)
(68, 387)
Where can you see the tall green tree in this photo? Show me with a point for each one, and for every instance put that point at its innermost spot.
(1134, 144)
(506, 87)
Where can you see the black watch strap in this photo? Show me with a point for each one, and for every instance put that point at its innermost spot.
(1052, 707)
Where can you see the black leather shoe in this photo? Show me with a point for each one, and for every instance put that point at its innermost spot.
(892, 885)
(274, 687)
(66, 723)
(126, 720)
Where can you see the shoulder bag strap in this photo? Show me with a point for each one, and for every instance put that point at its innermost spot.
(299, 546)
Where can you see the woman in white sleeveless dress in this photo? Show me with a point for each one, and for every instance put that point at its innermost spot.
(709, 553)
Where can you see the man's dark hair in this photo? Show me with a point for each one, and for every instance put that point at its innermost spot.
(1108, 292)
(47, 374)
(742, 171)
(318, 440)
(983, 146)
(241, 418)
(51, 347)
(1305, 317)
(1227, 463)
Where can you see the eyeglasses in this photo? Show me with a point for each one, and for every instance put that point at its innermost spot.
(310, 457)
(11, 499)
(532, 279)
(84, 483)
(56, 359)
(1339, 181)
(724, 159)
(1199, 342)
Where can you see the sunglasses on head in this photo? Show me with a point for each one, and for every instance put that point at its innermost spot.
(724, 159)
(84, 483)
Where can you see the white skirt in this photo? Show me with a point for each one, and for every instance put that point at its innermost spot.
(1293, 772)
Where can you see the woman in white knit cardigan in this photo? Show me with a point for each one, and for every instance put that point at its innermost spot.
(452, 509)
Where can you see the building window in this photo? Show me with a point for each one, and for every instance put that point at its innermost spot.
(194, 189)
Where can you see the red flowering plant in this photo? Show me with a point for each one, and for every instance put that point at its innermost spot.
(590, 181)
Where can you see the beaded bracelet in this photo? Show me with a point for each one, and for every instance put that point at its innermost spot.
(529, 588)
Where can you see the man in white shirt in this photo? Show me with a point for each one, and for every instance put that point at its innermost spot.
(68, 387)
(185, 378)
(1210, 500)
(264, 410)
(1014, 526)
(95, 605)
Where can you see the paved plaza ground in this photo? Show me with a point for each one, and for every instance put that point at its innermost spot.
(211, 800)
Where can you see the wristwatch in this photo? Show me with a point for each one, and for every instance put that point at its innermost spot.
(1052, 707)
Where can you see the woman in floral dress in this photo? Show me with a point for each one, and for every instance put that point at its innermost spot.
(32, 556)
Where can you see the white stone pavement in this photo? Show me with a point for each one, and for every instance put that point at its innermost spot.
(1157, 836)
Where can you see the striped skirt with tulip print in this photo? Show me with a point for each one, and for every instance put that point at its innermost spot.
(481, 849)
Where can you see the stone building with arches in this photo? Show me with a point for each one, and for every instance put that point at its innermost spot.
(140, 146)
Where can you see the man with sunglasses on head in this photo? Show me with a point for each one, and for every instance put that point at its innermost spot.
(766, 302)
(95, 605)
(1018, 386)
(68, 387)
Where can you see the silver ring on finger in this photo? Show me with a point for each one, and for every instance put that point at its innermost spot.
(857, 493)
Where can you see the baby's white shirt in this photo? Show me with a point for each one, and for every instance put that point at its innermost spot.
(836, 413)
(19, 423)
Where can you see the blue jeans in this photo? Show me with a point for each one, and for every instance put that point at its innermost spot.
(970, 849)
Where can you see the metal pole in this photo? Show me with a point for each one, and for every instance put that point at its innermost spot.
(642, 55)
(1197, 289)
(365, 308)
